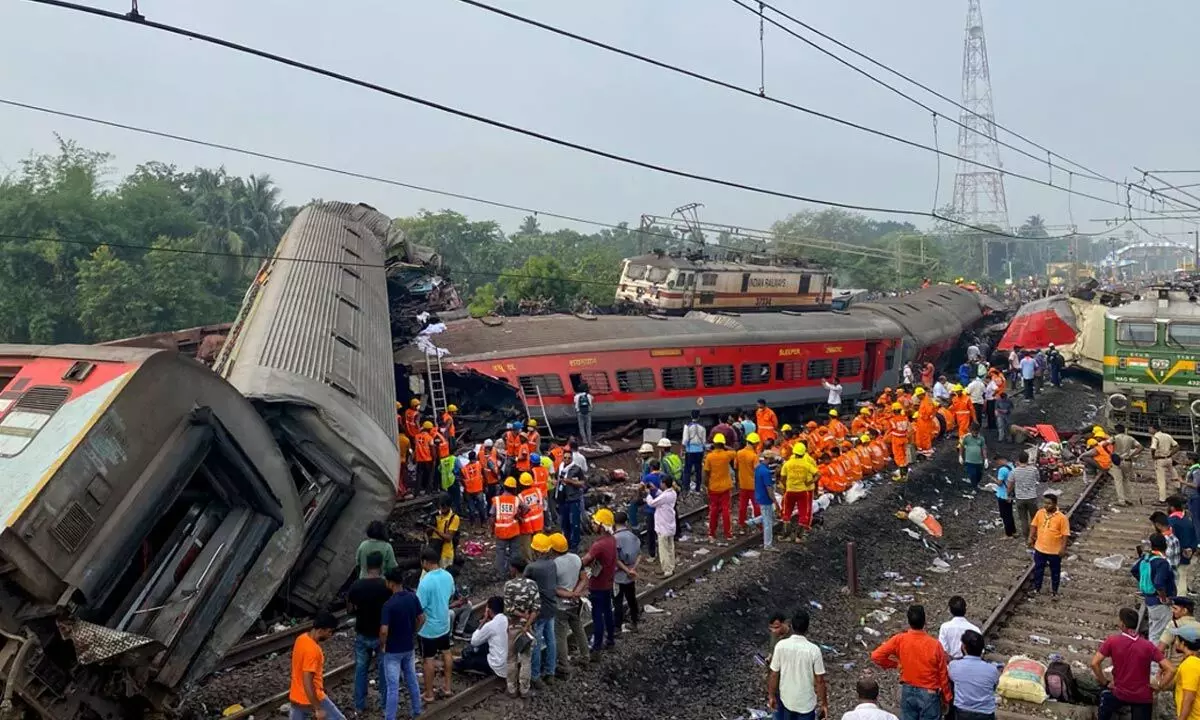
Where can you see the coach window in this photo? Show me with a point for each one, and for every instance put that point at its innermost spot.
(787, 371)
(805, 283)
(849, 367)
(708, 278)
(820, 369)
(597, 382)
(1137, 334)
(657, 274)
(889, 359)
(756, 373)
(547, 385)
(716, 376)
(1187, 336)
(679, 378)
(636, 381)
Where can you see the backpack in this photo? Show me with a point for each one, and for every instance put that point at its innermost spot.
(585, 404)
(1060, 682)
(1145, 576)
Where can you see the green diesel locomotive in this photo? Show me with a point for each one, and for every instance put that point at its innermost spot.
(1151, 349)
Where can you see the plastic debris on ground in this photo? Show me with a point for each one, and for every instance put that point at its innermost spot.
(871, 631)
(701, 551)
(877, 595)
(1111, 562)
(879, 617)
(751, 554)
(892, 575)
(911, 533)
(472, 548)
(651, 610)
(856, 492)
(720, 564)
(816, 604)
(233, 710)
(847, 666)
(940, 565)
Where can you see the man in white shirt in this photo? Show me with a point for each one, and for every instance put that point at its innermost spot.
(975, 390)
(867, 707)
(951, 632)
(1163, 448)
(797, 683)
(835, 392)
(488, 651)
(941, 390)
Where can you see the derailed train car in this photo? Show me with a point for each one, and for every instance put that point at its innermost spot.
(150, 510)
(661, 368)
(138, 491)
(311, 348)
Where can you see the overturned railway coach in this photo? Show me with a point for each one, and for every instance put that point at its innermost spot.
(658, 367)
(152, 509)
(138, 491)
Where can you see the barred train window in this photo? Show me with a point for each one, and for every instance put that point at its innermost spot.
(636, 381)
(716, 376)
(679, 378)
(756, 373)
(820, 369)
(547, 385)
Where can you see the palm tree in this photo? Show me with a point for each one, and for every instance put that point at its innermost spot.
(260, 212)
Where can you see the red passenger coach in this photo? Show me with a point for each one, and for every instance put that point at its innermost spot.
(654, 367)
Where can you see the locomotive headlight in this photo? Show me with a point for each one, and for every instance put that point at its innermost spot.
(1195, 407)
(1117, 401)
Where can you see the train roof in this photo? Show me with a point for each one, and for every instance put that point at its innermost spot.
(685, 263)
(315, 328)
(922, 314)
(1180, 305)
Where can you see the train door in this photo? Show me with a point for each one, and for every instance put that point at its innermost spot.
(688, 282)
(870, 365)
(745, 282)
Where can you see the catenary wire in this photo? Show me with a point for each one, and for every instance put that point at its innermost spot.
(884, 66)
(461, 196)
(238, 47)
(777, 101)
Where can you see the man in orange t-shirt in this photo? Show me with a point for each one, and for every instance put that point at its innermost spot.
(307, 692)
(718, 473)
(745, 461)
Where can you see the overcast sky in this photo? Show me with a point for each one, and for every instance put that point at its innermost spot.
(1108, 83)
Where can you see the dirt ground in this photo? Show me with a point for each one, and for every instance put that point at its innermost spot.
(697, 660)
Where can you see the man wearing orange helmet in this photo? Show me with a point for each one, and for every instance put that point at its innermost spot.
(898, 436)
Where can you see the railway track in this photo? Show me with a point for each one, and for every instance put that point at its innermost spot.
(1023, 623)
(469, 689)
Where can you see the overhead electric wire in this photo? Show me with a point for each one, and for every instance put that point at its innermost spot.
(777, 101)
(884, 66)
(238, 47)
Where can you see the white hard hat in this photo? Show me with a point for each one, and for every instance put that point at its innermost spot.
(664, 443)
(1051, 344)
(488, 443)
(646, 448)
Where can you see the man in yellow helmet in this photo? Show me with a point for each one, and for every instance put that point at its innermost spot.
(448, 429)
(799, 475)
(745, 461)
(603, 554)
(718, 474)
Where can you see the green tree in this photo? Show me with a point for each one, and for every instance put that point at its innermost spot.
(541, 277)
(110, 296)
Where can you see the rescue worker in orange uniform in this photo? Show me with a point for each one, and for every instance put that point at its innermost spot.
(412, 418)
(885, 398)
(861, 422)
(964, 410)
(531, 520)
(490, 460)
(838, 479)
(423, 453)
(448, 428)
(854, 468)
(864, 454)
(533, 437)
(556, 455)
(925, 425)
(512, 445)
(541, 474)
(745, 461)
(472, 480)
(506, 527)
(766, 423)
(879, 451)
(404, 443)
(522, 462)
(836, 428)
(789, 439)
(898, 436)
(947, 416)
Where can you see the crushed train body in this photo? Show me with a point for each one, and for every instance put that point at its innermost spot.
(153, 509)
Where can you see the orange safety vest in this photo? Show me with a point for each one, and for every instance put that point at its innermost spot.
(534, 440)
(512, 441)
(448, 423)
(541, 478)
(412, 422)
(443, 446)
(505, 509)
(878, 454)
(473, 477)
(859, 425)
(491, 467)
(837, 429)
(838, 481)
(522, 458)
(423, 452)
(766, 421)
(531, 520)
(854, 469)
(899, 430)
(556, 454)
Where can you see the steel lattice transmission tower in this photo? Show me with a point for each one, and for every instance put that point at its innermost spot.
(978, 192)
